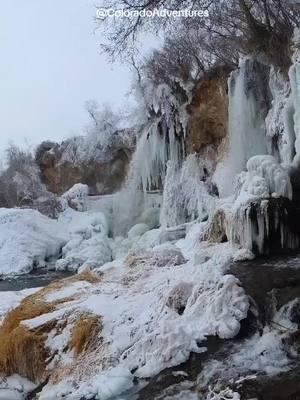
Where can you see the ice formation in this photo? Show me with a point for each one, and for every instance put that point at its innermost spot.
(262, 213)
(88, 244)
(294, 76)
(161, 286)
(27, 240)
(186, 193)
(161, 140)
(247, 112)
(280, 119)
(264, 178)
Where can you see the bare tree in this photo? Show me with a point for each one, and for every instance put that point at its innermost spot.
(264, 26)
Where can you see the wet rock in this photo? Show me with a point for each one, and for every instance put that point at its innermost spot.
(208, 111)
(103, 176)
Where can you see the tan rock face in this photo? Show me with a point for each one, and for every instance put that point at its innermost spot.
(208, 112)
(101, 177)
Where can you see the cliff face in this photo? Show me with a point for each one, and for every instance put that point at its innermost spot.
(208, 112)
(103, 176)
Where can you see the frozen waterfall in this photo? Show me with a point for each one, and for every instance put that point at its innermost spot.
(248, 107)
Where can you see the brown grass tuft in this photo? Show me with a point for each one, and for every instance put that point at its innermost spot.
(23, 350)
(85, 333)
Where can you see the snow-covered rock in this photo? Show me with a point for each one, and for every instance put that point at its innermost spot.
(27, 240)
(76, 197)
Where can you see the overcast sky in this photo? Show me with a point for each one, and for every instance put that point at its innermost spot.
(50, 65)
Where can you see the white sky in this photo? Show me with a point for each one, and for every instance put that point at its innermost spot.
(50, 65)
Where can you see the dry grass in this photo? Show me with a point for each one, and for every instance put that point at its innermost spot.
(23, 350)
(85, 334)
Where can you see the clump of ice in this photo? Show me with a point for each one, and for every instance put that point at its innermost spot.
(264, 178)
(88, 244)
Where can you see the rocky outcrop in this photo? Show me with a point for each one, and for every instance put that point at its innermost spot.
(60, 173)
(208, 111)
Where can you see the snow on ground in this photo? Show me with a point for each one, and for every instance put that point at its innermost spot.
(10, 300)
(156, 307)
(15, 388)
(28, 239)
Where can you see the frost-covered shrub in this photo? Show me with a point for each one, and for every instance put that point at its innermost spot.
(20, 181)
(21, 185)
(100, 141)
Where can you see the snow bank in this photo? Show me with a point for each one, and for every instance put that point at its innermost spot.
(156, 308)
(27, 240)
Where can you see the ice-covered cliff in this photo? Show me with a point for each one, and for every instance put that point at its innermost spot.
(156, 280)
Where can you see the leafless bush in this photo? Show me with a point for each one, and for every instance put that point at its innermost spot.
(21, 186)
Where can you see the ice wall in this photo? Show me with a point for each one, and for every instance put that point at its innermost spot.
(249, 99)
(187, 192)
(280, 119)
(294, 75)
(161, 140)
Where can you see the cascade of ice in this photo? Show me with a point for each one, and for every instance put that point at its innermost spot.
(248, 106)
(162, 140)
(186, 193)
(280, 119)
(294, 75)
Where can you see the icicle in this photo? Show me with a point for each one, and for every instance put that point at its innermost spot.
(161, 140)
